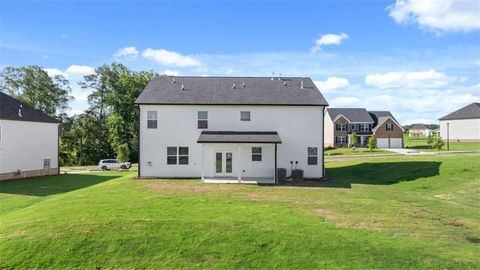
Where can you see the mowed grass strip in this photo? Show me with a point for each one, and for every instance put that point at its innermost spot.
(401, 212)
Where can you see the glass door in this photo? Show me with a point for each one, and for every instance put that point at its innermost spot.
(223, 163)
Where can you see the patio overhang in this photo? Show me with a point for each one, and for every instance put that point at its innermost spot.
(239, 137)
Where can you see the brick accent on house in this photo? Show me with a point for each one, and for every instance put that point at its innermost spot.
(381, 131)
(337, 133)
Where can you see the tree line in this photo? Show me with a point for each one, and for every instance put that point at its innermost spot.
(107, 128)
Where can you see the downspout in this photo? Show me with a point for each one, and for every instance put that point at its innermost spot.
(138, 136)
(323, 142)
(58, 149)
(276, 173)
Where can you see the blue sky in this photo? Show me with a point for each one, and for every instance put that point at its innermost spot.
(418, 58)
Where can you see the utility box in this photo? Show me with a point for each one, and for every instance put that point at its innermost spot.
(297, 174)
(281, 174)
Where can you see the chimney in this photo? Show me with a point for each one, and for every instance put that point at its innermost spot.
(20, 111)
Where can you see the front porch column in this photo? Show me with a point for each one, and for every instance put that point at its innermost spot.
(276, 170)
(362, 139)
(202, 162)
(239, 166)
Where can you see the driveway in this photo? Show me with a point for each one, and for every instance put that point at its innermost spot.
(405, 151)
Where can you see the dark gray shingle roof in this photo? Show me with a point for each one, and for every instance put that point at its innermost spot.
(376, 115)
(220, 91)
(239, 137)
(9, 107)
(468, 112)
(354, 115)
(418, 127)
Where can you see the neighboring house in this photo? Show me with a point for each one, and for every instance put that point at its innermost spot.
(419, 131)
(462, 125)
(230, 128)
(28, 141)
(340, 123)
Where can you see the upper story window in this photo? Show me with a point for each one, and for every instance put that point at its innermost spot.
(364, 127)
(341, 127)
(389, 127)
(245, 116)
(352, 126)
(151, 119)
(312, 155)
(256, 154)
(202, 120)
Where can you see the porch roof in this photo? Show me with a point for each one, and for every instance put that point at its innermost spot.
(239, 137)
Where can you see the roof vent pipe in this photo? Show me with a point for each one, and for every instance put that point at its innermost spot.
(183, 87)
(20, 111)
(173, 81)
(273, 76)
(243, 84)
(233, 87)
(301, 84)
(284, 83)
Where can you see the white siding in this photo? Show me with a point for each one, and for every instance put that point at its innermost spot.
(299, 127)
(329, 130)
(24, 145)
(461, 129)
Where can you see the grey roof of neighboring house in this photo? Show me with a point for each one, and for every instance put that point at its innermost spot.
(9, 110)
(468, 112)
(377, 116)
(418, 127)
(239, 137)
(220, 91)
(354, 115)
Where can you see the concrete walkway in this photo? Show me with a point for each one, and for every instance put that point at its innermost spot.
(405, 151)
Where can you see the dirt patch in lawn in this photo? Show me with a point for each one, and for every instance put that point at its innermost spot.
(191, 187)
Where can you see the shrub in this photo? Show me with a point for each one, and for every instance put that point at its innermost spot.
(372, 143)
(123, 152)
(354, 139)
(438, 143)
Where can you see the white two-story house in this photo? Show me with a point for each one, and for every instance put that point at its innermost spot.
(230, 129)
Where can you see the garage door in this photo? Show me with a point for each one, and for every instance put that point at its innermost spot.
(394, 143)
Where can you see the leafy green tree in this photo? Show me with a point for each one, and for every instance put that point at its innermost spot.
(33, 86)
(353, 139)
(438, 143)
(372, 143)
(123, 152)
(430, 140)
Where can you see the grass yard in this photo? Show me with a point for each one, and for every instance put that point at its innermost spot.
(395, 213)
(349, 151)
(422, 145)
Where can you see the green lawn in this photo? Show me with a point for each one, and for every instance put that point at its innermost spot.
(422, 145)
(400, 212)
(350, 151)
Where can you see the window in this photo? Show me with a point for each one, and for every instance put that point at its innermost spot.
(364, 127)
(341, 139)
(352, 127)
(202, 120)
(341, 127)
(312, 155)
(244, 116)
(256, 154)
(152, 119)
(389, 127)
(175, 154)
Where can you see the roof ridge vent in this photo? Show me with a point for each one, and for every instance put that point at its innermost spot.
(233, 87)
(20, 111)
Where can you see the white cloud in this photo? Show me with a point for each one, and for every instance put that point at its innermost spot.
(345, 102)
(79, 70)
(331, 84)
(411, 79)
(438, 15)
(54, 71)
(169, 58)
(170, 72)
(126, 52)
(328, 39)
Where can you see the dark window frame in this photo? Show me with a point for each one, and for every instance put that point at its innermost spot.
(312, 155)
(341, 127)
(387, 127)
(257, 155)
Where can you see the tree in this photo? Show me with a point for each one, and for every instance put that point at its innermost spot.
(438, 143)
(353, 139)
(33, 86)
(430, 140)
(123, 152)
(372, 143)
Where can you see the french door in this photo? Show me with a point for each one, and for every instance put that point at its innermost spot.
(224, 163)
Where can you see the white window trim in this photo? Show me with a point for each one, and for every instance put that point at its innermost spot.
(149, 118)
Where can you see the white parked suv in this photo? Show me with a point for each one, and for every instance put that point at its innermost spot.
(113, 164)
